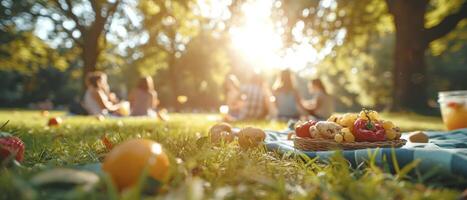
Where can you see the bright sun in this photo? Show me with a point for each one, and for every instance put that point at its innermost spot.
(256, 39)
(259, 42)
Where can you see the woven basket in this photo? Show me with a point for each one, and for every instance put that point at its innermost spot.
(309, 144)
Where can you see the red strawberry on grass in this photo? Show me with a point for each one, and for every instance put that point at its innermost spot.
(11, 145)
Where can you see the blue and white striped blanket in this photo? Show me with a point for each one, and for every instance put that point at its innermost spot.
(445, 154)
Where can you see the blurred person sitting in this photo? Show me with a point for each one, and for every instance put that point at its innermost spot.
(96, 99)
(321, 106)
(232, 95)
(255, 99)
(143, 99)
(287, 98)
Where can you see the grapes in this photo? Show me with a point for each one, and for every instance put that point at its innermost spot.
(374, 116)
(362, 115)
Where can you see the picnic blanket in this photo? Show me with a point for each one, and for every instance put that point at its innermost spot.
(445, 154)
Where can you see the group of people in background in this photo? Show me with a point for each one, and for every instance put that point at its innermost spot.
(99, 100)
(255, 100)
(251, 100)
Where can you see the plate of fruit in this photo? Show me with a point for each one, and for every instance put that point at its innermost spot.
(347, 131)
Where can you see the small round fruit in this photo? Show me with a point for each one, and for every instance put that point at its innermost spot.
(333, 118)
(369, 113)
(347, 120)
(127, 161)
(388, 125)
(251, 137)
(390, 134)
(374, 115)
(338, 138)
(348, 136)
(221, 132)
(55, 121)
(349, 116)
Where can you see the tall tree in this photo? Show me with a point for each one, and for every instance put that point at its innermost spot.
(21, 50)
(85, 22)
(412, 41)
(170, 26)
(359, 19)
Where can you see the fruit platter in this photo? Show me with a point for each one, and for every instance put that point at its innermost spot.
(347, 131)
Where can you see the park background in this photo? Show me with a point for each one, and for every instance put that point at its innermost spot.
(388, 55)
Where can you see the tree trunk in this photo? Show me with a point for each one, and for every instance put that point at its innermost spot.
(173, 73)
(89, 61)
(90, 53)
(409, 73)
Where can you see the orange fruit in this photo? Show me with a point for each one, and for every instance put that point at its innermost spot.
(127, 161)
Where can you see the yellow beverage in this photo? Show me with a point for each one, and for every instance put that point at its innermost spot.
(454, 109)
(124, 109)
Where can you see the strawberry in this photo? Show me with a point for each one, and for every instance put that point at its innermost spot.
(11, 145)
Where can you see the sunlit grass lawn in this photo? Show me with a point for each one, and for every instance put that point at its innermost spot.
(205, 171)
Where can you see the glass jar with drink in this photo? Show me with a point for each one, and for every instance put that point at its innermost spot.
(453, 108)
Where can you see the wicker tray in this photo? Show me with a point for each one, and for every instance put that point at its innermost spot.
(309, 144)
